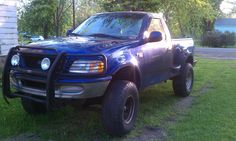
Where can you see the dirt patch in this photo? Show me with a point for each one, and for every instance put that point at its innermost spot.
(205, 88)
(150, 134)
(183, 104)
(159, 133)
(179, 109)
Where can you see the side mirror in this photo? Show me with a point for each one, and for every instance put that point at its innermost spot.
(68, 32)
(155, 36)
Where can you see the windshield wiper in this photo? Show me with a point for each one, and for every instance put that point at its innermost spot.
(105, 35)
(75, 34)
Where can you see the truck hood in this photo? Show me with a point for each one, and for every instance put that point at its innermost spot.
(81, 45)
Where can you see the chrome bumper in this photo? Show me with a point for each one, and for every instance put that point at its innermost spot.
(84, 90)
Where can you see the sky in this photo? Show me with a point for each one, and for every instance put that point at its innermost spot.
(227, 6)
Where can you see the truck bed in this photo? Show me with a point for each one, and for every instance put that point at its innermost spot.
(183, 42)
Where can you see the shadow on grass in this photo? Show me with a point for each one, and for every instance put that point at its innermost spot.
(83, 124)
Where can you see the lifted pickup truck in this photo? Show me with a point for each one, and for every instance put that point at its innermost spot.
(110, 57)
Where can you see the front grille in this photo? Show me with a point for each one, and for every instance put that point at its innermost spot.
(34, 61)
(32, 84)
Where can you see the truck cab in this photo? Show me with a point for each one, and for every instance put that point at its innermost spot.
(109, 58)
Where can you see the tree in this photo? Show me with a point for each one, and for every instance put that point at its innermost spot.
(86, 8)
(187, 17)
(61, 15)
(131, 5)
(38, 17)
(184, 18)
(47, 17)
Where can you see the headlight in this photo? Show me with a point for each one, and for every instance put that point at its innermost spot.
(45, 64)
(87, 66)
(15, 60)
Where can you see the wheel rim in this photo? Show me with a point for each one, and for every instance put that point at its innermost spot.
(189, 80)
(128, 110)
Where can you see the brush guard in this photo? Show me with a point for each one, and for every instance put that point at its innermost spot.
(51, 77)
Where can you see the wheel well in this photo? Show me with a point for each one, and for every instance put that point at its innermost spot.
(130, 74)
(189, 60)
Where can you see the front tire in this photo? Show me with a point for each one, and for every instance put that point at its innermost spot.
(33, 107)
(120, 107)
(183, 83)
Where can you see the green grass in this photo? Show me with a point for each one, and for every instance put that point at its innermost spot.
(212, 114)
(77, 124)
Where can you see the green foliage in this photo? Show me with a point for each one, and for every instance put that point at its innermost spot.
(54, 17)
(131, 5)
(45, 17)
(185, 18)
(86, 8)
(62, 18)
(218, 39)
(23, 40)
(189, 16)
(38, 17)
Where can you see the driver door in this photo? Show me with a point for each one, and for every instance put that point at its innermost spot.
(159, 54)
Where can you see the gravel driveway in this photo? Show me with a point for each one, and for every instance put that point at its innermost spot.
(216, 53)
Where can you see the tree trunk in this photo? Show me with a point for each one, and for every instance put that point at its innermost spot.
(45, 31)
(57, 22)
(181, 28)
(73, 13)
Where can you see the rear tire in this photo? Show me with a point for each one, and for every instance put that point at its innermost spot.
(120, 107)
(183, 83)
(33, 107)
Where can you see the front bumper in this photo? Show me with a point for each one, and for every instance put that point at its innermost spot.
(66, 90)
(87, 87)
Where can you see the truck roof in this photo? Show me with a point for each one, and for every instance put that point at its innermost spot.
(154, 15)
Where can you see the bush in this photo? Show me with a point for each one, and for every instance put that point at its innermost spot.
(218, 39)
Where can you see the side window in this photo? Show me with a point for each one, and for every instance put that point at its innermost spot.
(156, 25)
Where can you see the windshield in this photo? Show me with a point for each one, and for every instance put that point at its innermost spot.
(111, 25)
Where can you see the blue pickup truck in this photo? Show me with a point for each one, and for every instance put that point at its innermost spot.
(109, 58)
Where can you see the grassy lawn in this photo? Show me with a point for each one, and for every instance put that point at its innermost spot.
(211, 117)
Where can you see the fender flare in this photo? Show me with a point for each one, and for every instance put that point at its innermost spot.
(136, 69)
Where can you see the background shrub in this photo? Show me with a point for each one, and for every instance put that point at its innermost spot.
(218, 39)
